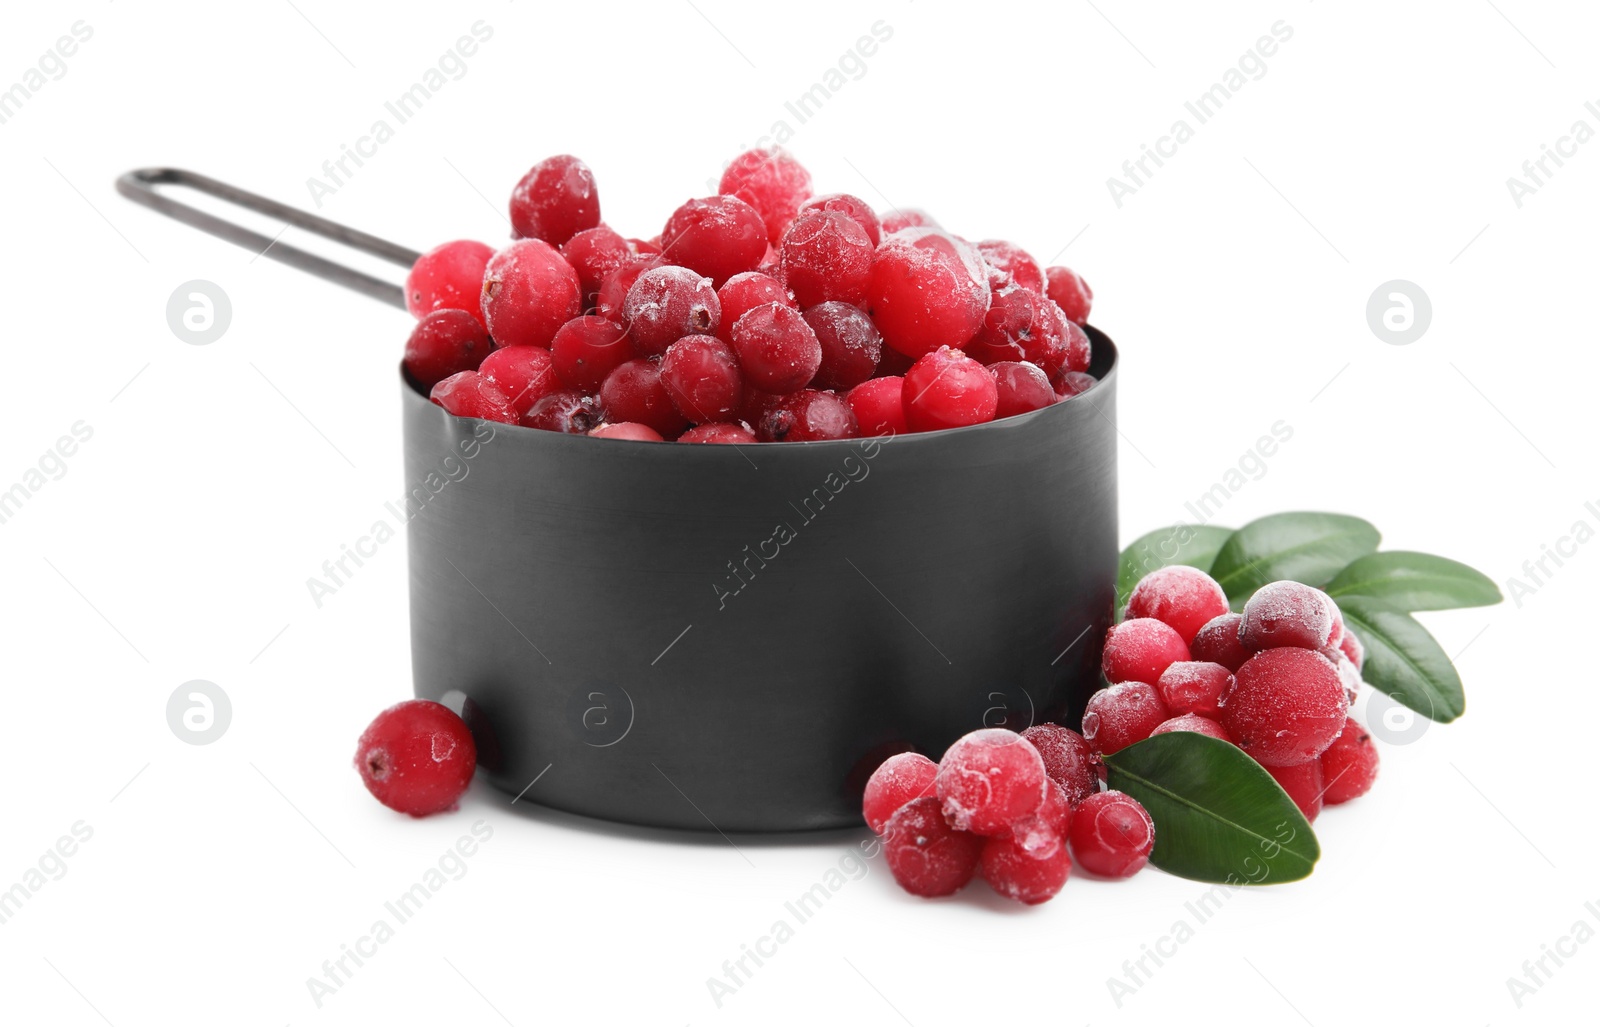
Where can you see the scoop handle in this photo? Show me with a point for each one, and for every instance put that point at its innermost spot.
(140, 187)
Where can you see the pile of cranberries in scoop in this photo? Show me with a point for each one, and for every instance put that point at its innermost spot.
(1276, 680)
(763, 313)
(1005, 807)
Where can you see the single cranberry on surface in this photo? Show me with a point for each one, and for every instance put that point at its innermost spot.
(948, 389)
(879, 406)
(853, 207)
(898, 779)
(443, 343)
(1195, 686)
(1071, 293)
(665, 304)
(448, 277)
(1304, 784)
(594, 253)
(772, 182)
(555, 200)
(718, 237)
(1349, 764)
(743, 293)
(1183, 598)
(1122, 714)
(926, 855)
(926, 290)
(990, 778)
(727, 434)
(851, 345)
(701, 375)
(567, 411)
(1068, 759)
(1192, 722)
(525, 374)
(1218, 642)
(825, 255)
(1140, 649)
(1287, 613)
(586, 349)
(1020, 388)
(777, 349)
(1286, 707)
(809, 415)
(529, 290)
(416, 757)
(1012, 261)
(626, 430)
(1017, 875)
(470, 394)
(1112, 835)
(634, 392)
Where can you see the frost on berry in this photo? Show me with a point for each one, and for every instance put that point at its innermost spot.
(1286, 707)
(416, 757)
(1352, 648)
(529, 291)
(701, 374)
(777, 349)
(555, 200)
(470, 394)
(743, 293)
(666, 303)
(948, 389)
(1071, 293)
(525, 374)
(732, 433)
(1287, 613)
(1112, 835)
(586, 349)
(634, 392)
(1349, 765)
(718, 237)
(1218, 642)
(1068, 760)
(898, 779)
(772, 182)
(1021, 876)
(857, 209)
(1140, 649)
(926, 289)
(1122, 714)
(851, 345)
(825, 256)
(1020, 388)
(809, 415)
(448, 277)
(989, 779)
(1013, 262)
(443, 343)
(1181, 597)
(1192, 722)
(925, 854)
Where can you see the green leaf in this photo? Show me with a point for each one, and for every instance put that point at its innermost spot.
(1193, 544)
(1219, 815)
(1306, 547)
(1402, 660)
(1415, 581)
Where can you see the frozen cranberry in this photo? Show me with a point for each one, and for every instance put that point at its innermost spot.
(743, 293)
(948, 389)
(1192, 722)
(1079, 350)
(567, 411)
(825, 256)
(416, 757)
(1070, 292)
(777, 348)
(910, 217)
(1013, 261)
(1303, 782)
(925, 854)
(989, 779)
(772, 182)
(1068, 760)
(1183, 598)
(879, 406)
(470, 394)
(1041, 833)
(443, 343)
(526, 374)
(665, 304)
(701, 374)
(1349, 765)
(1218, 642)
(634, 392)
(725, 434)
(594, 253)
(756, 404)
(808, 416)
(1140, 649)
(926, 290)
(1012, 318)
(555, 200)
(645, 247)
(448, 277)
(528, 292)
(1348, 674)
(853, 207)
(1336, 636)
(1021, 387)
(1195, 686)
(1286, 613)
(1286, 707)
(588, 348)
(613, 293)
(1112, 835)
(718, 237)
(1120, 715)
(851, 345)
(1018, 875)
(1352, 648)
(626, 430)
(1073, 383)
(898, 780)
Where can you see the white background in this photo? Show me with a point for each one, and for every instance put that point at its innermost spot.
(219, 478)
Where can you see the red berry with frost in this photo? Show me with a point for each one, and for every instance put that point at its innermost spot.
(701, 374)
(586, 349)
(626, 430)
(417, 757)
(1304, 784)
(555, 200)
(634, 392)
(825, 256)
(1218, 642)
(948, 389)
(1195, 686)
(1018, 875)
(525, 374)
(910, 217)
(989, 779)
(1181, 597)
(1122, 714)
(755, 405)
(1068, 759)
(1073, 383)
(613, 293)
(665, 304)
(448, 277)
(1071, 293)
(1192, 722)
(1286, 613)
(1079, 349)
(898, 779)
(1286, 707)
(444, 343)
(594, 253)
(1349, 765)
(567, 411)
(1020, 387)
(777, 349)
(925, 854)
(1013, 262)
(1112, 835)
(926, 290)
(1041, 833)
(772, 182)
(1352, 648)
(728, 434)
(1347, 673)
(470, 394)
(743, 293)
(718, 237)
(851, 345)
(1140, 649)
(879, 406)
(853, 207)
(529, 291)
(808, 416)
(645, 247)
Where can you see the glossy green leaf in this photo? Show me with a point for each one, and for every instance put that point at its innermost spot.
(1219, 816)
(1193, 544)
(1402, 660)
(1306, 547)
(1415, 581)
